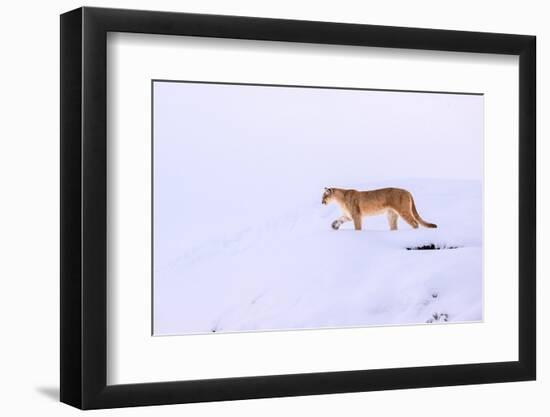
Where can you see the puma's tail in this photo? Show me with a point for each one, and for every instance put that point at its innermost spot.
(420, 219)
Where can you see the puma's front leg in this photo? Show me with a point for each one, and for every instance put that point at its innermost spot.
(357, 221)
(339, 222)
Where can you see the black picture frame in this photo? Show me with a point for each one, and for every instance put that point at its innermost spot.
(84, 207)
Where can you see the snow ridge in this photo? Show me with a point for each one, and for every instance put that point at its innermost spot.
(294, 272)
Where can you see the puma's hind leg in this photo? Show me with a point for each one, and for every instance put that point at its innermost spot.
(409, 218)
(392, 219)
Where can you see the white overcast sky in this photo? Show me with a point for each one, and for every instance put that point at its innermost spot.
(367, 134)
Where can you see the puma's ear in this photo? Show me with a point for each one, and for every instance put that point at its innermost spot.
(326, 189)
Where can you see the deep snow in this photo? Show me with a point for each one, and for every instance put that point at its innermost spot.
(292, 271)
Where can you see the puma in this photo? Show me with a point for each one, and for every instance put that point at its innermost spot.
(394, 202)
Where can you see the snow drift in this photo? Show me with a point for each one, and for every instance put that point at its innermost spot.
(292, 271)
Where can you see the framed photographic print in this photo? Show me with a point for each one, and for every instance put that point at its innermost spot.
(257, 207)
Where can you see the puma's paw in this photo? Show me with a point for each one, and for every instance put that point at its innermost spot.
(336, 224)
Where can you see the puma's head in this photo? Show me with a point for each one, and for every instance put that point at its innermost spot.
(327, 196)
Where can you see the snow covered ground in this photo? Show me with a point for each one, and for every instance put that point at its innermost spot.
(242, 242)
(292, 271)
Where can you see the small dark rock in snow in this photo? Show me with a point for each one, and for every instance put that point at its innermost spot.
(438, 317)
(431, 246)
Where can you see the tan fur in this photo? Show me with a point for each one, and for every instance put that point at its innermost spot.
(394, 202)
